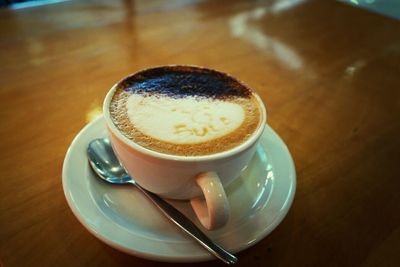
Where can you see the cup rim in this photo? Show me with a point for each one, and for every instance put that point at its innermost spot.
(219, 155)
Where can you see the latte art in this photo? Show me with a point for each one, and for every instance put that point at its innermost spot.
(186, 111)
(184, 120)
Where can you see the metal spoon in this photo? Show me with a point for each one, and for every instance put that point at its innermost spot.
(106, 165)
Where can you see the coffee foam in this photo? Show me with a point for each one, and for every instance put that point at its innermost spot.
(174, 111)
(186, 120)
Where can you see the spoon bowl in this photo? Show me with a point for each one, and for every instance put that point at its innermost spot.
(105, 164)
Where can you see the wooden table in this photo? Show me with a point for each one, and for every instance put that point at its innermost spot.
(329, 74)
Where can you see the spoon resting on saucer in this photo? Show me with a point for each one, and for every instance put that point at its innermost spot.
(107, 167)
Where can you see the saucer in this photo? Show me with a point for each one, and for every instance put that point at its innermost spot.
(125, 219)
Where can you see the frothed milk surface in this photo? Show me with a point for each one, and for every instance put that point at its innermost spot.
(183, 120)
(184, 110)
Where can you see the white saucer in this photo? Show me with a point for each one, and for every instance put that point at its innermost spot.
(124, 219)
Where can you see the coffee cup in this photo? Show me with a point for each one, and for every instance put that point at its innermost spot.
(183, 133)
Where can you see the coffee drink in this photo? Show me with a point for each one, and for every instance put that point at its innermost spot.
(184, 110)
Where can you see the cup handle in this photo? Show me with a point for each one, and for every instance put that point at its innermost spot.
(212, 208)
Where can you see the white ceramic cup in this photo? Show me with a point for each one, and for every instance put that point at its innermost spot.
(200, 179)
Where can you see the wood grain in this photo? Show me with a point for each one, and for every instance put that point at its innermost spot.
(327, 72)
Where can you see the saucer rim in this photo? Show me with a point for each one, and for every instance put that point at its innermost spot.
(204, 256)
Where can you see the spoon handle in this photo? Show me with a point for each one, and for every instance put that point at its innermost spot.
(189, 227)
